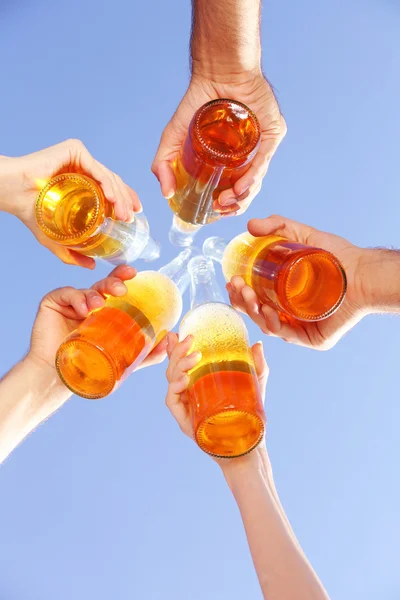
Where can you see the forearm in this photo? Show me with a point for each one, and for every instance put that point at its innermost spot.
(29, 394)
(226, 37)
(379, 280)
(282, 568)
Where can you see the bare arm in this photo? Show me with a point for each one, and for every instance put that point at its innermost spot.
(29, 394)
(226, 37)
(282, 568)
(379, 275)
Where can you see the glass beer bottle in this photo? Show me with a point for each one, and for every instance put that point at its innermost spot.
(306, 283)
(71, 210)
(114, 340)
(223, 394)
(222, 140)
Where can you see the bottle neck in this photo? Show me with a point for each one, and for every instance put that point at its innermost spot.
(177, 269)
(203, 282)
(214, 248)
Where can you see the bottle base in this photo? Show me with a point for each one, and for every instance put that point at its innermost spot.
(85, 369)
(230, 433)
(182, 233)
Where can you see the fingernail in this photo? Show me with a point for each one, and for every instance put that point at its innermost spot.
(197, 355)
(169, 194)
(233, 287)
(97, 300)
(119, 287)
(243, 190)
(231, 214)
(228, 201)
(260, 344)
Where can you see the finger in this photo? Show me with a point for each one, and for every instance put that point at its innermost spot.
(180, 350)
(177, 407)
(165, 175)
(71, 257)
(272, 320)
(96, 170)
(184, 365)
(275, 224)
(94, 300)
(137, 205)
(156, 356)
(124, 197)
(253, 176)
(260, 364)
(70, 297)
(251, 302)
(123, 272)
(289, 332)
(111, 286)
(237, 283)
(172, 341)
(121, 209)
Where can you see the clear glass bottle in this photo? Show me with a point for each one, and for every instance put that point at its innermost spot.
(222, 140)
(306, 283)
(223, 393)
(71, 210)
(114, 340)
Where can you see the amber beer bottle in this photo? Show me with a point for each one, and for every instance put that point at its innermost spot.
(114, 340)
(72, 211)
(222, 140)
(223, 394)
(306, 283)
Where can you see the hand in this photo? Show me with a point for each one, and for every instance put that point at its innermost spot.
(180, 362)
(254, 91)
(61, 311)
(320, 335)
(21, 179)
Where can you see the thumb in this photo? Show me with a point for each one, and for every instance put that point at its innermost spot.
(262, 370)
(166, 177)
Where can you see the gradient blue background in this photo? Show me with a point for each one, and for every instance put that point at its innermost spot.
(108, 499)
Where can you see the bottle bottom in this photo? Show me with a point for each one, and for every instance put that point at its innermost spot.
(230, 433)
(313, 286)
(85, 369)
(181, 233)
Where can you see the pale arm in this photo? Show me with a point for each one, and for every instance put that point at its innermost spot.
(379, 276)
(282, 568)
(226, 37)
(29, 394)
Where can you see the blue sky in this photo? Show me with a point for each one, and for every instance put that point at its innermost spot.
(108, 499)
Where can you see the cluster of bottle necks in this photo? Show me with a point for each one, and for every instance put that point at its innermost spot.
(301, 282)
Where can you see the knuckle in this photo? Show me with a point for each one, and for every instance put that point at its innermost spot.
(76, 143)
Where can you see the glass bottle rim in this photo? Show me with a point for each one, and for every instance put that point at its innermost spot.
(98, 204)
(248, 151)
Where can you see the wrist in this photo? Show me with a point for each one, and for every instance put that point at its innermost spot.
(45, 379)
(11, 186)
(255, 465)
(378, 280)
(220, 69)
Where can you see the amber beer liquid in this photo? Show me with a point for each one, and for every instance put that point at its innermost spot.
(303, 282)
(114, 340)
(222, 140)
(223, 394)
(72, 211)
